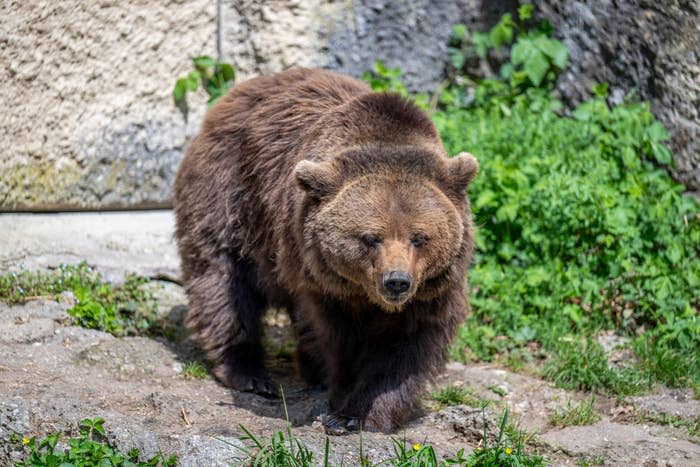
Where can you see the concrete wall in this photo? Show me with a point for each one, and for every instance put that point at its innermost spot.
(87, 113)
(88, 119)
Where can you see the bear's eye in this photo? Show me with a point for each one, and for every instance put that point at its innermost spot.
(371, 240)
(419, 239)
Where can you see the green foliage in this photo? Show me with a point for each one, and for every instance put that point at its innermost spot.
(589, 461)
(88, 449)
(579, 229)
(194, 370)
(384, 79)
(536, 58)
(126, 309)
(583, 413)
(215, 77)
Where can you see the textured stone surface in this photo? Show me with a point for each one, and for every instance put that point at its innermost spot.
(87, 114)
(349, 36)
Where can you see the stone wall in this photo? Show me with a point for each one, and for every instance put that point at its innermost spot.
(87, 114)
(89, 120)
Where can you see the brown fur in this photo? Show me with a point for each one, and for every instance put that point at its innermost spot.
(304, 190)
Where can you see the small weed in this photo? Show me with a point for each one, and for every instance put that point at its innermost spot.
(87, 449)
(583, 413)
(497, 390)
(215, 77)
(126, 309)
(508, 450)
(590, 461)
(194, 370)
(456, 395)
(416, 454)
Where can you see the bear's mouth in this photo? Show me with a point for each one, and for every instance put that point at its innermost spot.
(393, 303)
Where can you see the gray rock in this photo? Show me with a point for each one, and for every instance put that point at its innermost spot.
(32, 322)
(619, 444)
(472, 423)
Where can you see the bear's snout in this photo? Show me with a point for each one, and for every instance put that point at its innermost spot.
(396, 286)
(397, 282)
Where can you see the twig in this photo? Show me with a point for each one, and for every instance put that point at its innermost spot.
(184, 416)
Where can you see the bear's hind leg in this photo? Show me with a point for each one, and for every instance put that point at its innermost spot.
(225, 315)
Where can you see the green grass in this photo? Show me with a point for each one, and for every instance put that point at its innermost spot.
(457, 395)
(583, 413)
(125, 309)
(285, 448)
(87, 449)
(583, 365)
(691, 425)
(194, 370)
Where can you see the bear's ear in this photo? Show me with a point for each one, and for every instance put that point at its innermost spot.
(462, 169)
(315, 178)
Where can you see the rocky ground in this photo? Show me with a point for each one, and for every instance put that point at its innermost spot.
(52, 374)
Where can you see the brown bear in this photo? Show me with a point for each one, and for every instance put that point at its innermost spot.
(307, 191)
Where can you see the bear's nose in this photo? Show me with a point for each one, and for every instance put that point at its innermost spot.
(397, 282)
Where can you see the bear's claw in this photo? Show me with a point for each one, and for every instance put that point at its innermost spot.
(337, 425)
(261, 385)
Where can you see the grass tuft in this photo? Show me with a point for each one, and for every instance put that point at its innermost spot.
(194, 370)
(583, 413)
(457, 395)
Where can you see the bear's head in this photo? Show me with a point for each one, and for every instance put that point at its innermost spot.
(385, 222)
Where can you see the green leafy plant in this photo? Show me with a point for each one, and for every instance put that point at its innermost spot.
(125, 309)
(89, 448)
(215, 77)
(384, 79)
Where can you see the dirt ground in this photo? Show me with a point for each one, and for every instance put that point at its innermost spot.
(52, 374)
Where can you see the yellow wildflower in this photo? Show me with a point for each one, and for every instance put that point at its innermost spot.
(25, 440)
(509, 451)
(416, 447)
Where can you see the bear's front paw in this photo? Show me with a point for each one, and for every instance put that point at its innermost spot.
(337, 425)
(377, 426)
(261, 385)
